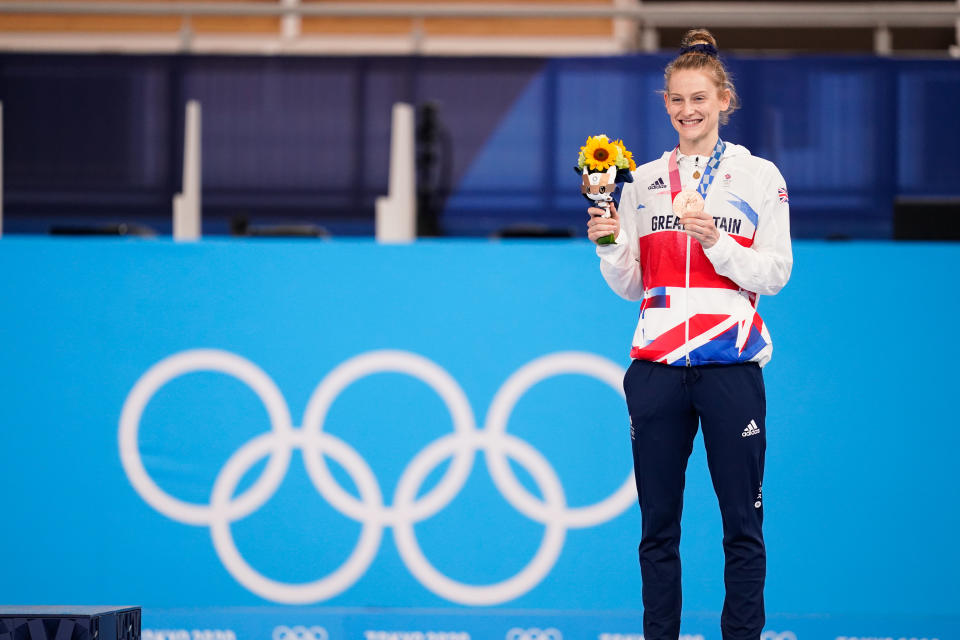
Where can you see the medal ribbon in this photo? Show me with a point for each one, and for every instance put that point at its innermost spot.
(705, 180)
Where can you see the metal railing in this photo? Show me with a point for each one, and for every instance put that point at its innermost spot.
(638, 21)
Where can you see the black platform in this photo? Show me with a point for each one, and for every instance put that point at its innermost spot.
(926, 219)
(69, 623)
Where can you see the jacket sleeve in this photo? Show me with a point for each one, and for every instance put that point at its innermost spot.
(765, 267)
(620, 262)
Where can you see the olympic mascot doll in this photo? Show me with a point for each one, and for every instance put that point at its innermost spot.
(603, 165)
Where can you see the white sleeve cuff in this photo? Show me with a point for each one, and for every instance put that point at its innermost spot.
(613, 253)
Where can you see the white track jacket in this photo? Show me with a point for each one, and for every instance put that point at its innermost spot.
(700, 306)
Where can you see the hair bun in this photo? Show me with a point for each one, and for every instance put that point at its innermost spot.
(698, 36)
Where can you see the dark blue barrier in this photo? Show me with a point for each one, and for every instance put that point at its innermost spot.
(146, 385)
(99, 137)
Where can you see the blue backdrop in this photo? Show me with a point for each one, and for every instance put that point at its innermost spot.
(141, 382)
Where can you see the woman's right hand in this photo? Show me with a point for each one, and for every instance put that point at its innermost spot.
(598, 227)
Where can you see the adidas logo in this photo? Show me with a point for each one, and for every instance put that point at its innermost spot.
(659, 184)
(751, 430)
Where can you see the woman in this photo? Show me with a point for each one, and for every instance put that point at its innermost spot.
(699, 344)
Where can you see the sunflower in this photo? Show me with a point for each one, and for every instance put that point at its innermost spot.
(626, 154)
(599, 153)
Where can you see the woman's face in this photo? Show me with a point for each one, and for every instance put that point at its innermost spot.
(694, 104)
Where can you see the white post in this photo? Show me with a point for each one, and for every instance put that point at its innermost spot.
(186, 34)
(625, 29)
(650, 38)
(418, 33)
(955, 49)
(396, 213)
(882, 40)
(290, 22)
(186, 204)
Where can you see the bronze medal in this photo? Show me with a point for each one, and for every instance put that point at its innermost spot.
(687, 201)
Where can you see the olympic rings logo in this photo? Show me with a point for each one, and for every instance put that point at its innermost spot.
(534, 634)
(300, 632)
(773, 635)
(370, 511)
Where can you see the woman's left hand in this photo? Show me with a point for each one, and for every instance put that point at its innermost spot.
(700, 227)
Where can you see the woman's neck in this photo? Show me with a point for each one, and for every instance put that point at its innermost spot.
(701, 147)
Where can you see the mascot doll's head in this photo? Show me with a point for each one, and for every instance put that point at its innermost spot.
(599, 186)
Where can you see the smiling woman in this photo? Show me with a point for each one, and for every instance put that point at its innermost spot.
(699, 258)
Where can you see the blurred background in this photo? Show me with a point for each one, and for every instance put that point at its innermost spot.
(855, 102)
(250, 433)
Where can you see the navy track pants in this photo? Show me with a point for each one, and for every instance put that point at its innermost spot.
(665, 404)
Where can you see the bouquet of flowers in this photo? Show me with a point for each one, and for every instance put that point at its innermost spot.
(603, 165)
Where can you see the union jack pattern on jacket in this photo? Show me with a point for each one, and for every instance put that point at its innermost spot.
(702, 310)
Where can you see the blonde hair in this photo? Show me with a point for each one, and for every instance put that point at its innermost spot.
(698, 51)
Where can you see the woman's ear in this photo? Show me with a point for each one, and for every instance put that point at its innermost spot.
(724, 99)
